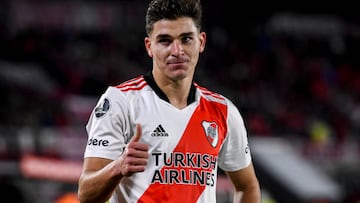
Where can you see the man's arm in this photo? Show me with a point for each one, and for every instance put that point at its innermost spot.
(98, 180)
(100, 177)
(246, 185)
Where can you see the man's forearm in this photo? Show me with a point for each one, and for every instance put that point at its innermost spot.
(252, 194)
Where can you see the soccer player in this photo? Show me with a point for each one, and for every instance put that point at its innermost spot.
(161, 137)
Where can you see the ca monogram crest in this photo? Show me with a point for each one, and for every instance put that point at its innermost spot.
(211, 132)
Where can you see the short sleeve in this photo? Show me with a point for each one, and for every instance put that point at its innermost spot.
(235, 152)
(108, 126)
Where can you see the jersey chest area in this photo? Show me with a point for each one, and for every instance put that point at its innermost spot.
(184, 147)
(199, 128)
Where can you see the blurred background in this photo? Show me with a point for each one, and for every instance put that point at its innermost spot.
(293, 73)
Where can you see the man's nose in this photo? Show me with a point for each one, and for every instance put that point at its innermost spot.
(176, 48)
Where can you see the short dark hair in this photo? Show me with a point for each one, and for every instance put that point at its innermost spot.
(171, 10)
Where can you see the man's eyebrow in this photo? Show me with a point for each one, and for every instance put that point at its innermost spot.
(161, 36)
(187, 34)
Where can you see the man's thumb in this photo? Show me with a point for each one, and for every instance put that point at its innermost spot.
(137, 134)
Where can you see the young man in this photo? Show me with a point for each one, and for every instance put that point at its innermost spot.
(160, 137)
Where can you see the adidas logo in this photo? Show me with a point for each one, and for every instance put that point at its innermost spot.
(159, 132)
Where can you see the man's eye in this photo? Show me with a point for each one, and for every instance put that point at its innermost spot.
(164, 41)
(186, 39)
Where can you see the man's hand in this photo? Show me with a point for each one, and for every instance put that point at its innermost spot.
(135, 156)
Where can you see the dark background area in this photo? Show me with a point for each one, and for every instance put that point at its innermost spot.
(292, 70)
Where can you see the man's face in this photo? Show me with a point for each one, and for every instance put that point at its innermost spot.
(175, 46)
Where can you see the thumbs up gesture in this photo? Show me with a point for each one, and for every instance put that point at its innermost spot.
(135, 156)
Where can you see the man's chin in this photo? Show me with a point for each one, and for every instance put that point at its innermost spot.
(179, 75)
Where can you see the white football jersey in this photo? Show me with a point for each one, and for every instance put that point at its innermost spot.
(185, 145)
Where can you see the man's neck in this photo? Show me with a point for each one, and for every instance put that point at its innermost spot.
(178, 93)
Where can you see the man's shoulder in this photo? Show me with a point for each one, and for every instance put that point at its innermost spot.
(134, 84)
(211, 95)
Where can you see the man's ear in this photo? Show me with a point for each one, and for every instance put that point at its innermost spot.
(147, 42)
(202, 37)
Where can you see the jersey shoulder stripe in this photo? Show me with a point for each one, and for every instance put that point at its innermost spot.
(210, 95)
(137, 83)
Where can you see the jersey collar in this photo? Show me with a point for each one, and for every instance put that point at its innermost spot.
(149, 78)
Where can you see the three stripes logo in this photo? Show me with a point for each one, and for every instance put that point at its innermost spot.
(159, 132)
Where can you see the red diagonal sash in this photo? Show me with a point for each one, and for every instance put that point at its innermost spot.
(181, 184)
